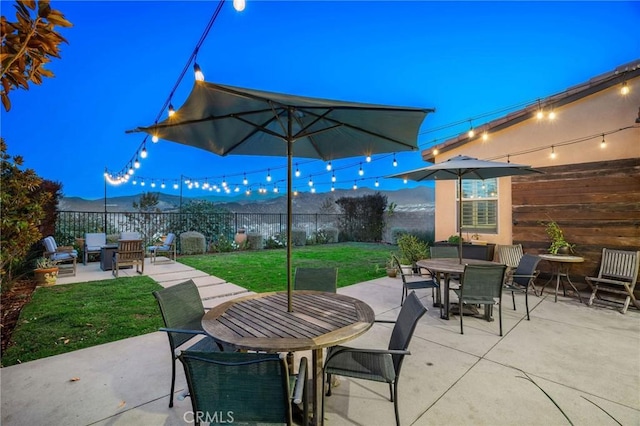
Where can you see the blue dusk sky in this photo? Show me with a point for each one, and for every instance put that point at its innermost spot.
(471, 61)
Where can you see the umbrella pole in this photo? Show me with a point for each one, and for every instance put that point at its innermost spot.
(289, 206)
(460, 219)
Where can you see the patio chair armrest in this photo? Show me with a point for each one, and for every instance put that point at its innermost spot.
(385, 321)
(344, 349)
(64, 249)
(181, 330)
(301, 382)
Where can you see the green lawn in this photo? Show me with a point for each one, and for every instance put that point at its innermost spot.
(265, 270)
(65, 318)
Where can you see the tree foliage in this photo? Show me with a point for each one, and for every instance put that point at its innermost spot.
(148, 203)
(28, 44)
(363, 217)
(215, 223)
(22, 204)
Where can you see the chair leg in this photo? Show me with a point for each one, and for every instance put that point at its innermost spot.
(391, 389)
(404, 291)
(593, 296)
(513, 298)
(328, 384)
(173, 383)
(526, 302)
(500, 315)
(321, 422)
(395, 402)
(461, 316)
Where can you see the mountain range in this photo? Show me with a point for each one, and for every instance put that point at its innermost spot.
(407, 199)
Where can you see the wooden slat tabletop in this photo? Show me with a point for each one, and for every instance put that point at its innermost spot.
(261, 321)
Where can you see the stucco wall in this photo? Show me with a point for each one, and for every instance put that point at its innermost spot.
(602, 112)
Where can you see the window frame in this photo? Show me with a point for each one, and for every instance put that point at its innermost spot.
(475, 200)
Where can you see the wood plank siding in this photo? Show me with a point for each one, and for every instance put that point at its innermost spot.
(596, 204)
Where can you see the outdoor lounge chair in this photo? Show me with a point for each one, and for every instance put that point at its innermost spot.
(64, 257)
(130, 236)
(182, 310)
(243, 388)
(168, 247)
(522, 278)
(93, 244)
(481, 285)
(318, 279)
(411, 283)
(129, 253)
(378, 365)
(618, 275)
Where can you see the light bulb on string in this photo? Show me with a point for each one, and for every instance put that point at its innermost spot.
(361, 172)
(141, 182)
(404, 181)
(540, 113)
(603, 144)
(268, 175)
(377, 184)
(224, 182)
(135, 182)
(471, 133)
(624, 89)
(313, 190)
(245, 181)
(485, 136)
(297, 171)
(171, 110)
(239, 5)
(355, 185)
(275, 188)
(136, 163)
(329, 166)
(153, 184)
(198, 72)
(368, 159)
(154, 139)
(144, 153)
(553, 152)
(333, 177)
(310, 182)
(395, 162)
(236, 189)
(131, 170)
(552, 115)
(175, 185)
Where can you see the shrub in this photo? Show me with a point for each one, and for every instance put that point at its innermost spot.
(396, 233)
(411, 249)
(254, 241)
(298, 237)
(192, 243)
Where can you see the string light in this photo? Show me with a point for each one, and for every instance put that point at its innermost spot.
(244, 180)
(239, 5)
(368, 159)
(603, 144)
(313, 190)
(171, 110)
(485, 136)
(329, 166)
(162, 185)
(361, 172)
(553, 152)
(268, 175)
(540, 113)
(395, 163)
(310, 181)
(154, 139)
(198, 72)
(377, 184)
(355, 185)
(333, 188)
(333, 177)
(471, 133)
(624, 89)
(144, 153)
(297, 171)
(404, 181)
(552, 115)
(136, 163)
(175, 185)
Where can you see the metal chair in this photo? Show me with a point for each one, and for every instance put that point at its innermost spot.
(523, 278)
(93, 243)
(443, 252)
(411, 283)
(510, 255)
(182, 311)
(243, 388)
(130, 253)
(168, 247)
(481, 285)
(618, 275)
(378, 365)
(318, 279)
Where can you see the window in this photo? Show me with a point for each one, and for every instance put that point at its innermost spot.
(480, 205)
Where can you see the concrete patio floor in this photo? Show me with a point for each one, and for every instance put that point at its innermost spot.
(587, 359)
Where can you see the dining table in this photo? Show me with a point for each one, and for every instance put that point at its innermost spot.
(446, 267)
(262, 322)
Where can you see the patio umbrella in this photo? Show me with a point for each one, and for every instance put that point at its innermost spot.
(463, 167)
(230, 120)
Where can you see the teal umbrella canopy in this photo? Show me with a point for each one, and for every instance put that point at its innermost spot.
(229, 120)
(463, 167)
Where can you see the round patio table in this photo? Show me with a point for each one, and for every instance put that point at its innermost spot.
(261, 322)
(560, 266)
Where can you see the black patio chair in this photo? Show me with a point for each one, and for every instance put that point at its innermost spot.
(413, 283)
(380, 365)
(523, 278)
(481, 285)
(243, 388)
(318, 279)
(182, 312)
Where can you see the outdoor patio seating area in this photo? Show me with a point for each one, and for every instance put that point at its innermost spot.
(585, 358)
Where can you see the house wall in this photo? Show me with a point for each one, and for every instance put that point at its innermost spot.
(529, 143)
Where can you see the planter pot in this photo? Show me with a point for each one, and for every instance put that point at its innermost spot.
(46, 277)
(241, 236)
(564, 250)
(392, 272)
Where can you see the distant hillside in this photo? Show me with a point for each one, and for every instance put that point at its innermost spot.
(413, 199)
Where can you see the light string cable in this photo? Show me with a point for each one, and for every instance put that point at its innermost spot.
(127, 171)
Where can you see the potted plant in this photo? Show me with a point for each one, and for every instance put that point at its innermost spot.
(392, 271)
(411, 249)
(558, 243)
(46, 272)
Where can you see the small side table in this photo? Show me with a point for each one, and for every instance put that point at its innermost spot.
(560, 266)
(106, 256)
